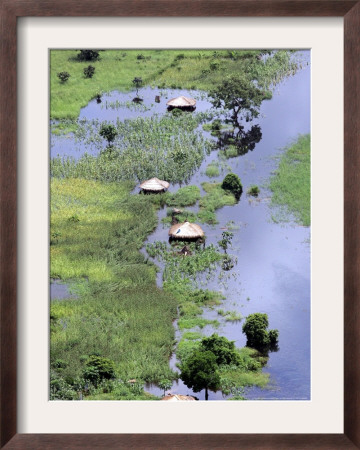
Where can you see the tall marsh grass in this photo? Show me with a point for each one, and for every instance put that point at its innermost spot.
(290, 185)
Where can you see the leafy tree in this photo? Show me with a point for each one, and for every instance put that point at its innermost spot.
(88, 55)
(98, 368)
(137, 82)
(200, 371)
(233, 184)
(165, 384)
(224, 350)
(257, 335)
(226, 240)
(108, 132)
(63, 76)
(89, 71)
(239, 95)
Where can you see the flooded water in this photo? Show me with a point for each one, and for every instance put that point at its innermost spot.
(272, 274)
(119, 106)
(60, 291)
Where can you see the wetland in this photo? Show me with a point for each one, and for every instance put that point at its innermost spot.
(128, 310)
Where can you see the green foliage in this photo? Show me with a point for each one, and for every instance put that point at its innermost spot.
(88, 55)
(108, 132)
(144, 148)
(231, 151)
(177, 112)
(233, 184)
(119, 390)
(253, 190)
(193, 322)
(165, 384)
(238, 94)
(227, 237)
(89, 71)
(230, 316)
(273, 336)
(214, 65)
(61, 389)
(63, 76)
(200, 372)
(113, 74)
(223, 349)
(233, 368)
(98, 368)
(212, 170)
(257, 335)
(215, 198)
(185, 196)
(291, 186)
(120, 313)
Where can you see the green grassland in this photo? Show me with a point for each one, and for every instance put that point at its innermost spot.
(120, 313)
(290, 184)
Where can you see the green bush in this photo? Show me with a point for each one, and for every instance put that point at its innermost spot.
(63, 76)
(88, 55)
(253, 190)
(233, 184)
(223, 349)
(98, 369)
(257, 335)
(89, 71)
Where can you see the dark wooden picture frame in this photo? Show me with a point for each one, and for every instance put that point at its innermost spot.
(13, 9)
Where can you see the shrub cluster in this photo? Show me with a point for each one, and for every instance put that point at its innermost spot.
(257, 335)
(88, 55)
(89, 71)
(63, 76)
(233, 184)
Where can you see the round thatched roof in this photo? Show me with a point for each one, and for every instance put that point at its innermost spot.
(178, 397)
(186, 230)
(154, 184)
(181, 102)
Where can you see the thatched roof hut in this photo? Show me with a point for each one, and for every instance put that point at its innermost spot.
(154, 185)
(178, 397)
(182, 102)
(186, 230)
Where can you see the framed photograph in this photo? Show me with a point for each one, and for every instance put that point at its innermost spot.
(103, 142)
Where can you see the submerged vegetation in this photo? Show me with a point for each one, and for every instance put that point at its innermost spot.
(166, 147)
(118, 333)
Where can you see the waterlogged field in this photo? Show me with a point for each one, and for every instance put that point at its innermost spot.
(169, 147)
(191, 69)
(146, 313)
